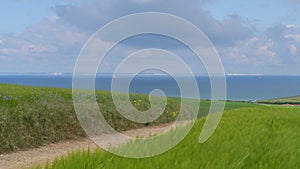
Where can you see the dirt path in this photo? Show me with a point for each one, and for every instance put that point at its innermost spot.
(42, 155)
(297, 105)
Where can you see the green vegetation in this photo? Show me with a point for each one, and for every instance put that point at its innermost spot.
(254, 138)
(229, 105)
(34, 116)
(286, 100)
(31, 117)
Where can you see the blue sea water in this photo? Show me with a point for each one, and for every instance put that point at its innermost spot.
(238, 87)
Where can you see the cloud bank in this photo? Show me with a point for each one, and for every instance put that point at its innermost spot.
(54, 43)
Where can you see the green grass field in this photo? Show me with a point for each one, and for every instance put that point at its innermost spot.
(254, 138)
(34, 116)
(289, 100)
(249, 135)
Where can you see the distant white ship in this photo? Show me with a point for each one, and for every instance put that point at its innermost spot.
(240, 74)
(56, 73)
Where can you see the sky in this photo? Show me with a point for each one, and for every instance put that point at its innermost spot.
(251, 37)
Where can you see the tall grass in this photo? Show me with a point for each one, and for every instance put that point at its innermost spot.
(33, 116)
(252, 138)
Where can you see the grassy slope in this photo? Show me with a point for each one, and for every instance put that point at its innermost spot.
(294, 99)
(30, 117)
(33, 116)
(229, 105)
(258, 138)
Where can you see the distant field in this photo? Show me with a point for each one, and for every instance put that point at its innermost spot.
(229, 105)
(254, 138)
(288, 100)
(33, 116)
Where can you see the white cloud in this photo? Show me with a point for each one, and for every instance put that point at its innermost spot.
(4, 51)
(293, 50)
(286, 43)
(289, 26)
(268, 55)
(3, 58)
(254, 51)
(21, 47)
(234, 54)
(238, 57)
(293, 37)
(57, 40)
(91, 15)
(265, 50)
(142, 1)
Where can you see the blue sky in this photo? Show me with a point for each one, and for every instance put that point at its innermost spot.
(17, 15)
(262, 13)
(251, 37)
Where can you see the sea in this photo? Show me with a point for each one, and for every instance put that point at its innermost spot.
(239, 87)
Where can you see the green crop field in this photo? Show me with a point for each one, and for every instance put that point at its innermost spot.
(254, 138)
(34, 116)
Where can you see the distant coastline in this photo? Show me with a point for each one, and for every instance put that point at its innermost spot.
(241, 88)
(238, 74)
(146, 74)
